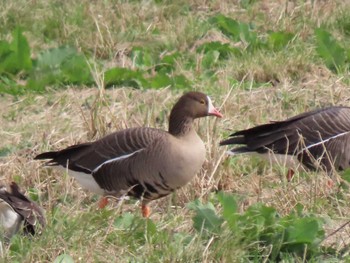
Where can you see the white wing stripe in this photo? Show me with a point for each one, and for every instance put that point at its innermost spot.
(116, 159)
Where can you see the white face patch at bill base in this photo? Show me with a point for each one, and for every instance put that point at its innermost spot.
(211, 107)
(212, 110)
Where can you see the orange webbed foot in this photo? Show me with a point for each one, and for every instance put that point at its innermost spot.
(146, 211)
(103, 202)
(330, 183)
(290, 174)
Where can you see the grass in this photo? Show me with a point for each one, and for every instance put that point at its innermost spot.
(254, 87)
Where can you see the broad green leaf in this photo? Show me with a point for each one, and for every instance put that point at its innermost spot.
(346, 175)
(279, 40)
(33, 194)
(5, 52)
(205, 217)
(9, 86)
(58, 66)
(167, 63)
(303, 231)
(330, 50)
(64, 258)
(247, 3)
(124, 221)
(53, 58)
(237, 31)
(142, 58)
(21, 47)
(224, 49)
(181, 82)
(229, 205)
(210, 59)
(248, 36)
(15, 56)
(150, 227)
(161, 80)
(269, 214)
(75, 70)
(227, 25)
(125, 77)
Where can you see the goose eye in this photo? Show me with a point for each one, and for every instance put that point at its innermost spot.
(202, 101)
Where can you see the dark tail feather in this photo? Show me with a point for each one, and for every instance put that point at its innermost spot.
(46, 155)
(64, 154)
(234, 140)
(239, 150)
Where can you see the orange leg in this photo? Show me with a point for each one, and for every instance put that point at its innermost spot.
(146, 210)
(103, 202)
(330, 183)
(290, 174)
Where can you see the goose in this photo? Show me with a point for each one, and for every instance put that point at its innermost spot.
(145, 163)
(318, 139)
(17, 210)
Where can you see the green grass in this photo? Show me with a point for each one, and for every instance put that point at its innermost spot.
(96, 67)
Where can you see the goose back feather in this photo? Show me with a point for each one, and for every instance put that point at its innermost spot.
(319, 138)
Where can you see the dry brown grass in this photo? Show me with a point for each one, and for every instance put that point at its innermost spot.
(36, 123)
(41, 123)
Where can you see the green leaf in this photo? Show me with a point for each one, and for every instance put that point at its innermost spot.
(224, 49)
(64, 258)
(210, 59)
(75, 70)
(228, 26)
(181, 82)
(230, 209)
(33, 194)
(125, 221)
(161, 80)
(237, 31)
(125, 77)
(346, 175)
(247, 3)
(15, 56)
(62, 65)
(205, 217)
(303, 231)
(330, 50)
(279, 40)
(151, 228)
(248, 36)
(142, 58)
(167, 63)
(53, 58)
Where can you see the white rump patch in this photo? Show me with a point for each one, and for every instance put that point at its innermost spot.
(9, 219)
(87, 181)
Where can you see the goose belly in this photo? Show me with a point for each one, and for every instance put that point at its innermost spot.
(86, 180)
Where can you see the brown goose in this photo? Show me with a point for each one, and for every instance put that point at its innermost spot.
(317, 139)
(15, 209)
(145, 163)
